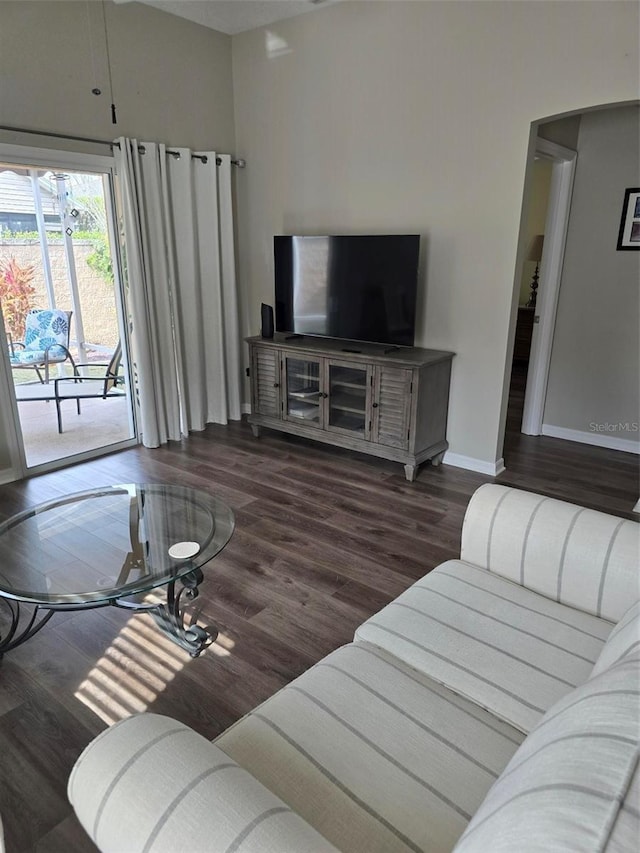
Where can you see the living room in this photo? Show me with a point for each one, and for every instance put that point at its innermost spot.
(358, 117)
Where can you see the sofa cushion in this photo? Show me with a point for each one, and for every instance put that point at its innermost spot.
(577, 556)
(624, 639)
(505, 647)
(149, 783)
(626, 826)
(573, 784)
(372, 755)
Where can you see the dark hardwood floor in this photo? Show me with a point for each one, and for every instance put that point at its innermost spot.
(324, 538)
(592, 476)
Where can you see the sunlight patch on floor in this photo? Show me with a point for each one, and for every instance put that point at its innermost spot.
(221, 647)
(136, 668)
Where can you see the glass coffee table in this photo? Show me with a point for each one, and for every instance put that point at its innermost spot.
(109, 546)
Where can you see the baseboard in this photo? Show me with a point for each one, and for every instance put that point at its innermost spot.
(472, 464)
(499, 466)
(597, 439)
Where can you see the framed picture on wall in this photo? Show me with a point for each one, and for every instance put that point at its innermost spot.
(629, 234)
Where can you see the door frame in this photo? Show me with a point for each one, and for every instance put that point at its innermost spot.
(555, 238)
(48, 158)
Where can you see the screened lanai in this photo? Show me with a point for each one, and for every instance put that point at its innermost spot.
(56, 255)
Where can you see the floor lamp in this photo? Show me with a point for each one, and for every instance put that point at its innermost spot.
(535, 254)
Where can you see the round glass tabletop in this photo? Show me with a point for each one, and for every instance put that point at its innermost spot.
(109, 543)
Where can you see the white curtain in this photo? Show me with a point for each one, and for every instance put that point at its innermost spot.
(178, 223)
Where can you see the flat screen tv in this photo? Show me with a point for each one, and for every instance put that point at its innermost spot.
(360, 288)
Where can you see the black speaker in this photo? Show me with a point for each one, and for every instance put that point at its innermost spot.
(267, 321)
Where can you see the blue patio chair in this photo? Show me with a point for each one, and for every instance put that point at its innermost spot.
(46, 342)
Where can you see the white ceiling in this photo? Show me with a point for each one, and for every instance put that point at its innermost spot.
(234, 16)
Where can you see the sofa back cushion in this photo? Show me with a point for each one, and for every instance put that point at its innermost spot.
(577, 556)
(572, 783)
(622, 641)
(510, 650)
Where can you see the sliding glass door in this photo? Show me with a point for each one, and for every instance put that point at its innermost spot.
(62, 304)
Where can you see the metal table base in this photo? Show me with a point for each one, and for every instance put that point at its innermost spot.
(169, 617)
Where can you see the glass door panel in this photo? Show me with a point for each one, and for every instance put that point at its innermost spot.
(348, 399)
(62, 305)
(303, 391)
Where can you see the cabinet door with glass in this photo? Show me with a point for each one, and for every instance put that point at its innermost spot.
(349, 391)
(303, 391)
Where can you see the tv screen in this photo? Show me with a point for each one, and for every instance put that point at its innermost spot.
(361, 288)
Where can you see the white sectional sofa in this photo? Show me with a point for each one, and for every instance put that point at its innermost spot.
(493, 706)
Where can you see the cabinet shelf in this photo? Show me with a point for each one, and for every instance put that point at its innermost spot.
(304, 394)
(352, 386)
(306, 376)
(304, 411)
(347, 404)
(341, 408)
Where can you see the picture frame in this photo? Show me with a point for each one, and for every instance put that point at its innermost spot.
(629, 234)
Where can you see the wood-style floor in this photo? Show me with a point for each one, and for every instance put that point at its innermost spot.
(324, 538)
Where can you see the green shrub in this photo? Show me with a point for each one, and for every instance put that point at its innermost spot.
(100, 259)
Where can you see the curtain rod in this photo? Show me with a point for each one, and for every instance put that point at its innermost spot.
(202, 157)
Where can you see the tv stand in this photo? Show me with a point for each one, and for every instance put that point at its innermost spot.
(389, 403)
(293, 337)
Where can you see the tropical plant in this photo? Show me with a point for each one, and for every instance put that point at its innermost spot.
(16, 295)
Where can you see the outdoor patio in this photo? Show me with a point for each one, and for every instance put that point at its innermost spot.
(100, 423)
(55, 253)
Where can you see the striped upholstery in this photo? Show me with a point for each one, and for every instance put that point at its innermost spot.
(583, 558)
(573, 784)
(375, 757)
(626, 831)
(508, 649)
(150, 783)
(624, 639)
(398, 742)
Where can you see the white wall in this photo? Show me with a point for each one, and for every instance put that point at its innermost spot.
(594, 376)
(394, 116)
(171, 78)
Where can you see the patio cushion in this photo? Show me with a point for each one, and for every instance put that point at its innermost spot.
(45, 328)
(46, 335)
(37, 356)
